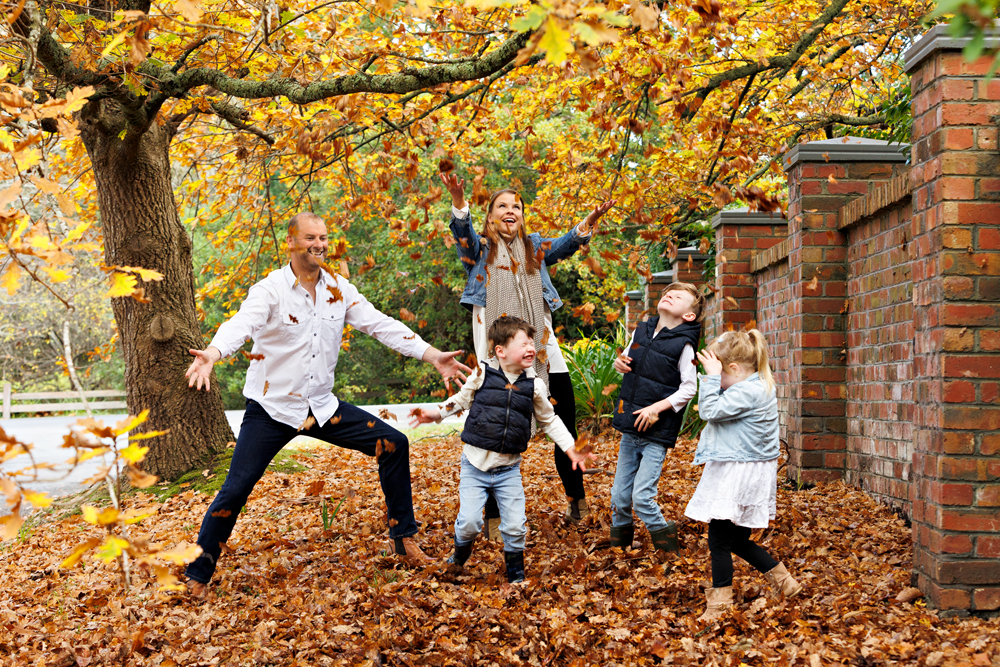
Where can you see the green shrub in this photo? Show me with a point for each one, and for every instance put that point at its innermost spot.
(595, 381)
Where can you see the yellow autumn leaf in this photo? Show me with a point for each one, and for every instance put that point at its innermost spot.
(9, 194)
(147, 435)
(37, 499)
(122, 284)
(131, 422)
(146, 274)
(6, 143)
(11, 278)
(97, 516)
(133, 453)
(45, 185)
(595, 33)
(89, 454)
(9, 526)
(135, 516)
(56, 275)
(179, 555)
(140, 479)
(116, 41)
(77, 98)
(79, 552)
(556, 42)
(112, 548)
(189, 9)
(167, 580)
(77, 232)
(28, 158)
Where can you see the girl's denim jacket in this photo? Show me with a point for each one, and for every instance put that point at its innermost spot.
(742, 421)
(473, 256)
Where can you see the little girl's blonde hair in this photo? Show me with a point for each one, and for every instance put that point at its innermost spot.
(746, 348)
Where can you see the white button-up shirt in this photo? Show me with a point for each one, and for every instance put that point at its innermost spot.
(300, 341)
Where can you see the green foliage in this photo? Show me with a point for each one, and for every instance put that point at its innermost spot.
(595, 381)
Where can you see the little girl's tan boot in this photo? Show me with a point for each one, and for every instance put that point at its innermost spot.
(719, 600)
(782, 583)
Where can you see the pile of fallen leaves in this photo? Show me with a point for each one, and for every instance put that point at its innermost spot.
(288, 592)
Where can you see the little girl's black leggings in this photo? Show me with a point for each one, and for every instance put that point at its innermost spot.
(561, 389)
(725, 538)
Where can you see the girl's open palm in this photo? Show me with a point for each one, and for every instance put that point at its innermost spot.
(711, 363)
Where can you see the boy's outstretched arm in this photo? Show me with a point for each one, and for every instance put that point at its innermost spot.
(420, 416)
(579, 459)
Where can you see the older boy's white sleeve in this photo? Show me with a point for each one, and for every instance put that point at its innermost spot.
(463, 399)
(689, 380)
(547, 418)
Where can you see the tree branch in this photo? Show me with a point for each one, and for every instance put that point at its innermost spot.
(785, 62)
(236, 117)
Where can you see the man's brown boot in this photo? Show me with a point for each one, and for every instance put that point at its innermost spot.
(196, 589)
(491, 530)
(576, 510)
(409, 551)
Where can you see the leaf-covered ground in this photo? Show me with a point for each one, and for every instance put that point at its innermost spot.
(290, 594)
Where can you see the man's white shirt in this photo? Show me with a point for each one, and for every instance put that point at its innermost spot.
(300, 341)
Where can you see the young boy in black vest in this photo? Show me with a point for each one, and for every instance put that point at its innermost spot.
(660, 377)
(501, 398)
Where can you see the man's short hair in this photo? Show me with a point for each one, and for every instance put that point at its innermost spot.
(698, 305)
(299, 218)
(505, 327)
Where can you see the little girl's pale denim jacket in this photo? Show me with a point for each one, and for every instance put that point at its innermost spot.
(742, 421)
(472, 250)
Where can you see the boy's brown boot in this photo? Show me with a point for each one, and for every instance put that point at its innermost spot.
(665, 539)
(719, 600)
(782, 583)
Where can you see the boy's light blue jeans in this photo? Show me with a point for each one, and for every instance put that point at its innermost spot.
(637, 478)
(507, 488)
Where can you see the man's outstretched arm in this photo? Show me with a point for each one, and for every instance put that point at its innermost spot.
(200, 370)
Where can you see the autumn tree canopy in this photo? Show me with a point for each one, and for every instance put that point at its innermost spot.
(129, 123)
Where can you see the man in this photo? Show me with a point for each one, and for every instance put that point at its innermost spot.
(296, 318)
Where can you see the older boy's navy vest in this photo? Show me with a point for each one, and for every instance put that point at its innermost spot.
(500, 416)
(655, 375)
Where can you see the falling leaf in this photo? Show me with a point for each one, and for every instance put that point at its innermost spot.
(222, 513)
(293, 319)
(371, 424)
(308, 423)
(336, 294)
(621, 406)
(406, 315)
(266, 386)
(446, 166)
(252, 356)
(609, 389)
(813, 284)
(385, 414)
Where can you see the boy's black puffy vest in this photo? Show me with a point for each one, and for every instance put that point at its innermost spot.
(655, 375)
(500, 418)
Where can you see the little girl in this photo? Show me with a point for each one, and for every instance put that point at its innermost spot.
(739, 447)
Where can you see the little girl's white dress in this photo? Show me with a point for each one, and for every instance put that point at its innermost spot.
(742, 492)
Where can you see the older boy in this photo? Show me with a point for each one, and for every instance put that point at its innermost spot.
(660, 378)
(501, 398)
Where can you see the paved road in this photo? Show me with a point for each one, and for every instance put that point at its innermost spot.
(46, 435)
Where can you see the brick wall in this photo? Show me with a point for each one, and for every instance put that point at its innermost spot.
(879, 310)
(956, 301)
(773, 303)
(823, 176)
(740, 235)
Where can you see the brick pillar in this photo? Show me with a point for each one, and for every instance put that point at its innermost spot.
(652, 288)
(822, 177)
(633, 308)
(739, 235)
(689, 266)
(956, 315)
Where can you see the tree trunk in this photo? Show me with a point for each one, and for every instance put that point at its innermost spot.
(141, 228)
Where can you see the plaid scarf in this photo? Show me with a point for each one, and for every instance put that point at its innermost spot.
(511, 290)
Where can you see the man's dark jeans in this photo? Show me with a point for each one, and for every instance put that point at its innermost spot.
(261, 438)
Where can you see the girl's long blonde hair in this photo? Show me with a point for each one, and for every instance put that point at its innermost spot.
(746, 348)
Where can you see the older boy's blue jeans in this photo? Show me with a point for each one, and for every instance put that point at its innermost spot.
(262, 437)
(505, 482)
(637, 478)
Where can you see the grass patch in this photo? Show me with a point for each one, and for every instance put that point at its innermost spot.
(209, 478)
